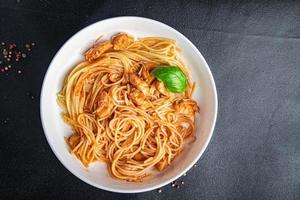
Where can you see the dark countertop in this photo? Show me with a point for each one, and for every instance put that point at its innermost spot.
(253, 49)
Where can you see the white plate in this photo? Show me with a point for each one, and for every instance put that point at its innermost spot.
(71, 53)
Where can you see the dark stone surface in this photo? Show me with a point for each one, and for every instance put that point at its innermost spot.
(253, 49)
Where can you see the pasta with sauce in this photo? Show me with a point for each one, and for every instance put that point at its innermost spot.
(122, 113)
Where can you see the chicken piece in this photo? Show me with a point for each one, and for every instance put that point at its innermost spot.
(161, 88)
(88, 83)
(146, 64)
(121, 41)
(139, 157)
(137, 97)
(187, 107)
(73, 140)
(105, 105)
(154, 93)
(114, 77)
(147, 76)
(142, 68)
(145, 105)
(139, 84)
(97, 50)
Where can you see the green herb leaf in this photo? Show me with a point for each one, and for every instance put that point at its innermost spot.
(172, 77)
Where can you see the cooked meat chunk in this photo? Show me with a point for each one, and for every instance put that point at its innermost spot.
(139, 84)
(97, 50)
(161, 87)
(121, 41)
(186, 107)
(105, 105)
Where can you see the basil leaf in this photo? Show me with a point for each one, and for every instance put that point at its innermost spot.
(172, 77)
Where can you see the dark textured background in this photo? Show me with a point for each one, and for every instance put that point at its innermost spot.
(253, 49)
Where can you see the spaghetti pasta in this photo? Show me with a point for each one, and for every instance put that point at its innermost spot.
(120, 113)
